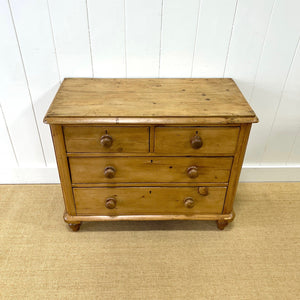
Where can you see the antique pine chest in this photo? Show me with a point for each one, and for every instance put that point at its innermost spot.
(149, 149)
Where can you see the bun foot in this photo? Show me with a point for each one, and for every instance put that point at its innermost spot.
(221, 224)
(74, 227)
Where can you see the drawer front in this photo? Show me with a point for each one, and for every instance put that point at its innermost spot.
(149, 200)
(149, 169)
(196, 140)
(103, 139)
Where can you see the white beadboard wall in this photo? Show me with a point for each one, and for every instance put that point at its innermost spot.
(253, 41)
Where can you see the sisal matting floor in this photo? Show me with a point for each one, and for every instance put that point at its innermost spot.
(255, 257)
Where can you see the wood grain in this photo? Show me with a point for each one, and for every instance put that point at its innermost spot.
(149, 169)
(119, 163)
(215, 140)
(124, 139)
(236, 167)
(63, 168)
(157, 217)
(149, 98)
(143, 200)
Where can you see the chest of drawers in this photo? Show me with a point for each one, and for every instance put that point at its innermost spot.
(149, 149)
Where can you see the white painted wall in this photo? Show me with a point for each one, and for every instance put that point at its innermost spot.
(256, 42)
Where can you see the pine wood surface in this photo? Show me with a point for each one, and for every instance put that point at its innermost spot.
(63, 167)
(148, 200)
(149, 169)
(119, 136)
(215, 140)
(124, 139)
(206, 99)
(236, 167)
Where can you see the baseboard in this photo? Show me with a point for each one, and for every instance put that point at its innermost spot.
(50, 175)
(29, 175)
(270, 173)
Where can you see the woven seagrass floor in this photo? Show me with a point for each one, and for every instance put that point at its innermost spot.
(255, 257)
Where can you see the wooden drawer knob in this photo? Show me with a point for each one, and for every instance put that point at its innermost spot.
(106, 141)
(192, 172)
(109, 172)
(110, 203)
(203, 191)
(196, 142)
(189, 202)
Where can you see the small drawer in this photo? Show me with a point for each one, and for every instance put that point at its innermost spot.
(149, 200)
(196, 140)
(149, 169)
(103, 139)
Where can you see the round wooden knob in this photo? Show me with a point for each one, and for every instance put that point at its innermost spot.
(196, 142)
(203, 191)
(106, 141)
(192, 172)
(189, 202)
(110, 203)
(109, 172)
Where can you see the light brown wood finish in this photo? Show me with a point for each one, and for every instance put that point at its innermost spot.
(63, 168)
(158, 184)
(129, 121)
(143, 217)
(236, 167)
(150, 169)
(149, 149)
(123, 139)
(179, 140)
(148, 200)
(84, 98)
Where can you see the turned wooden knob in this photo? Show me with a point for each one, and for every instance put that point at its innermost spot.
(192, 172)
(110, 203)
(189, 202)
(196, 142)
(109, 172)
(203, 191)
(106, 141)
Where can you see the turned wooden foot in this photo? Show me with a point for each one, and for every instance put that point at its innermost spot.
(74, 227)
(222, 224)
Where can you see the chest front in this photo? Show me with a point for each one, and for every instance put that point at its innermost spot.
(149, 149)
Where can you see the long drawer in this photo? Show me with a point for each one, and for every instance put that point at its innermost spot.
(149, 200)
(149, 169)
(196, 140)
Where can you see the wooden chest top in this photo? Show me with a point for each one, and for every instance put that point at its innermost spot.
(149, 101)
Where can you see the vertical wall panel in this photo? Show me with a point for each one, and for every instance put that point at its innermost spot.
(255, 42)
(294, 155)
(14, 95)
(213, 37)
(179, 27)
(7, 157)
(143, 24)
(279, 49)
(107, 29)
(250, 27)
(287, 122)
(71, 35)
(35, 38)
